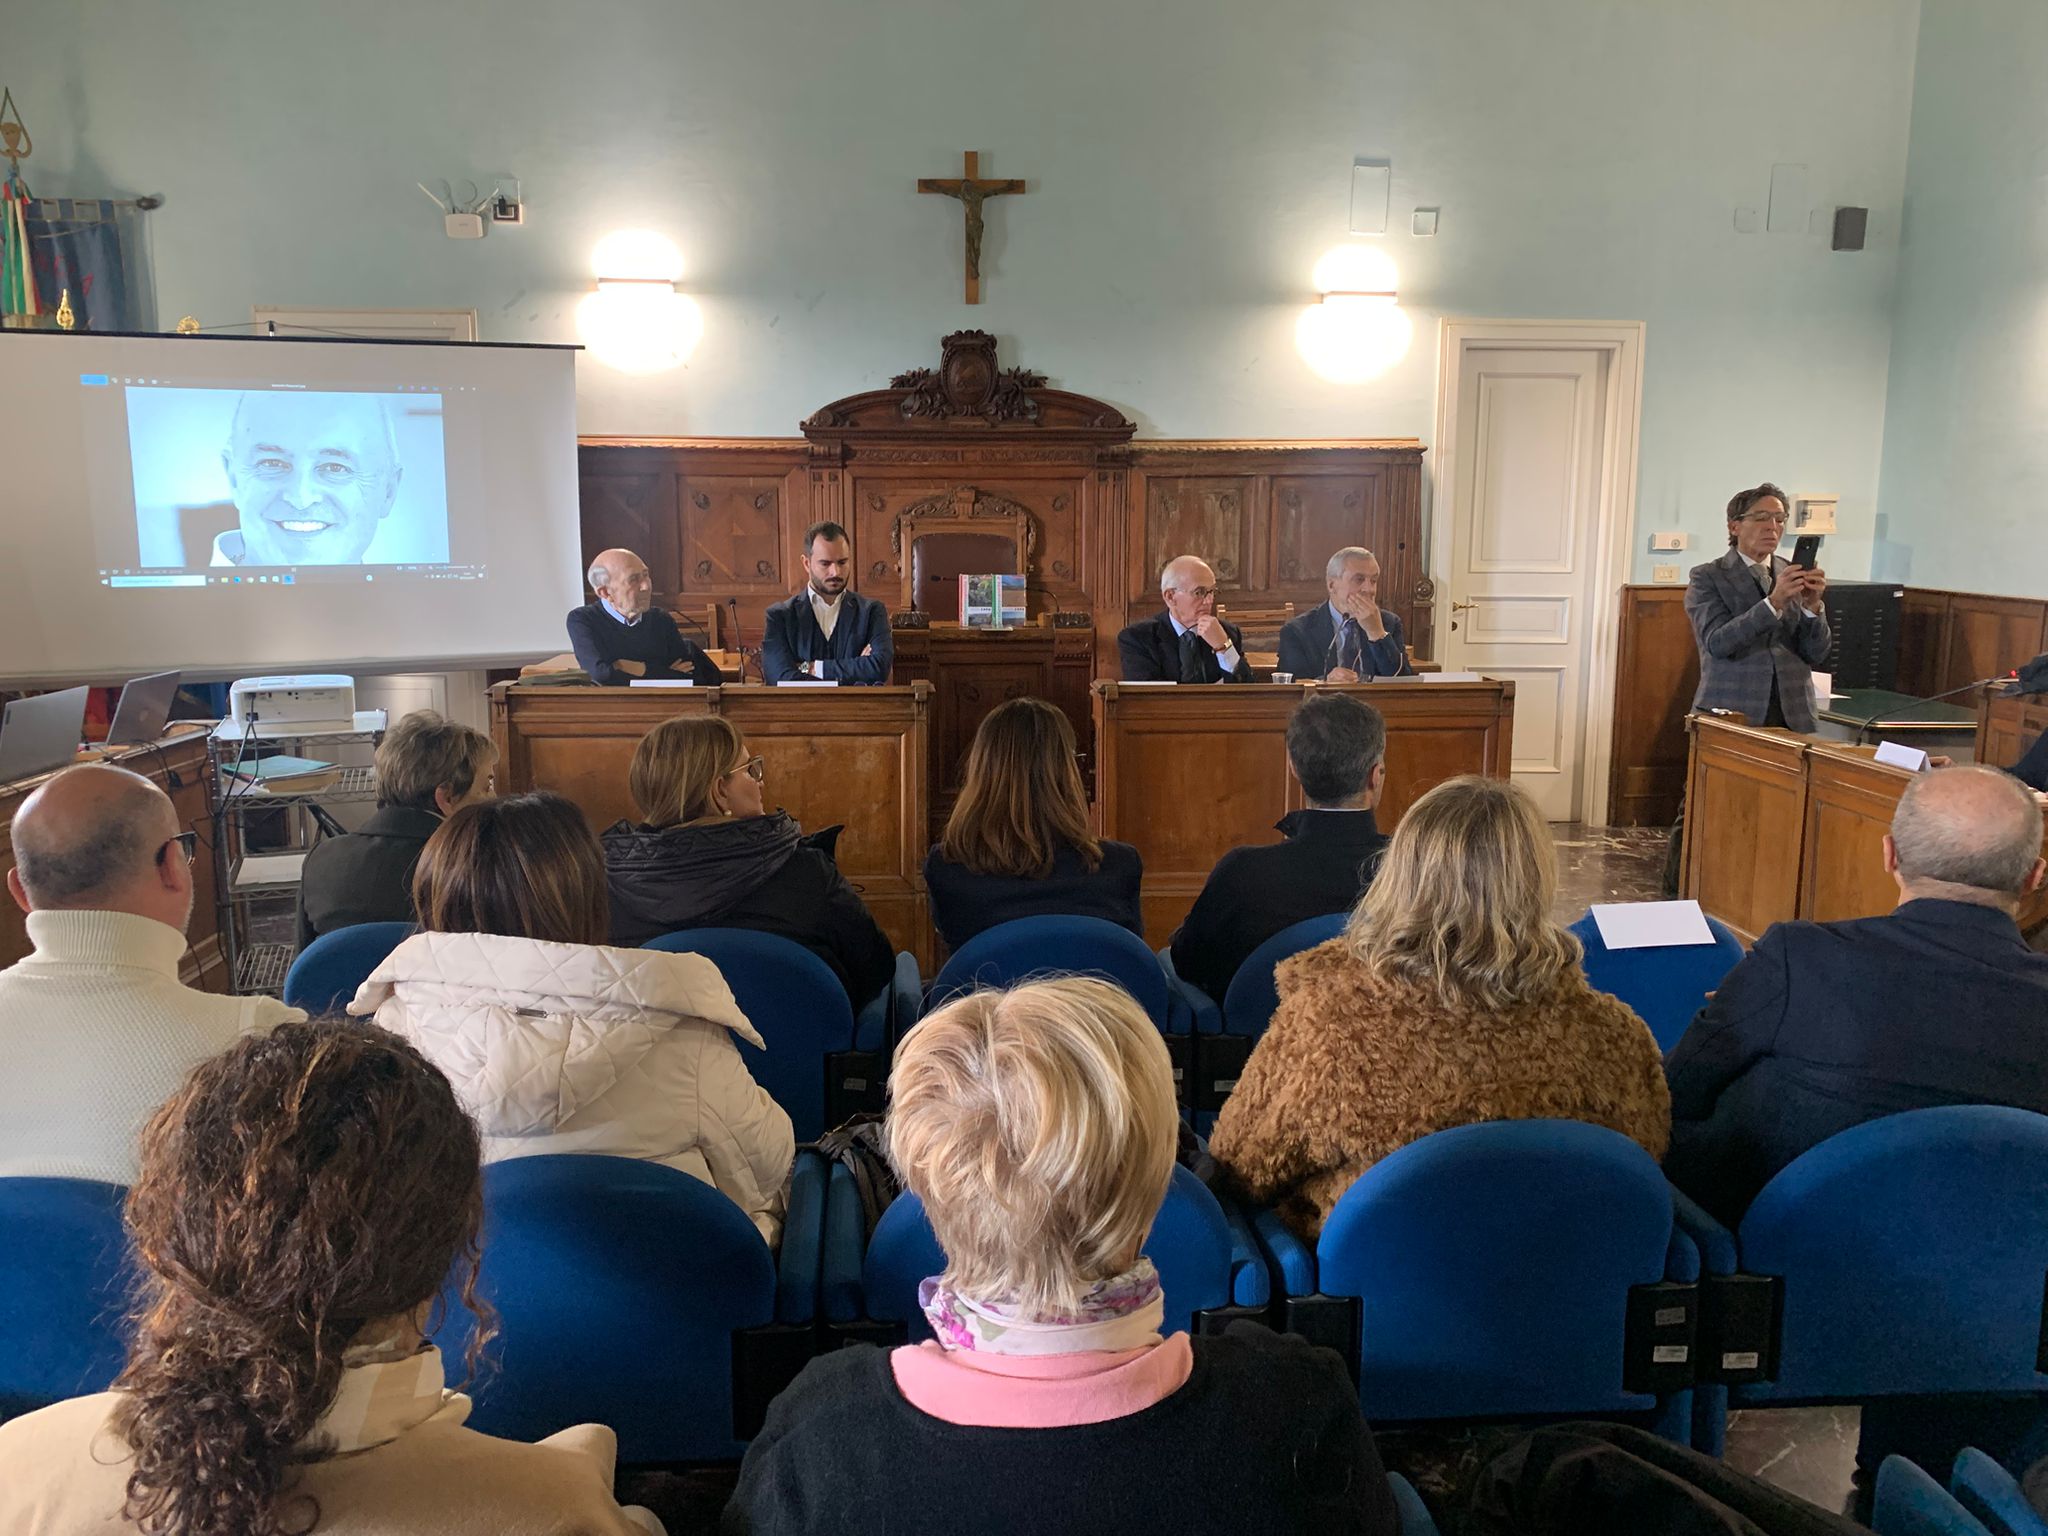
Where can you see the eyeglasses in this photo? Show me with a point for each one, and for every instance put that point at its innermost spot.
(1780, 518)
(754, 768)
(186, 841)
(1200, 594)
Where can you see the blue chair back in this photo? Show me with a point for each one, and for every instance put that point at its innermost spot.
(619, 1285)
(1494, 1264)
(1910, 1503)
(64, 1278)
(1989, 1492)
(1190, 1243)
(792, 998)
(1666, 986)
(1057, 946)
(1249, 1004)
(326, 973)
(1911, 1251)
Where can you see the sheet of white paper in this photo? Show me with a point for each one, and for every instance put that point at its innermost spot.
(1148, 682)
(662, 682)
(808, 682)
(1912, 759)
(1651, 924)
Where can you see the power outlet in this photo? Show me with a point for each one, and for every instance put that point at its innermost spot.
(1664, 573)
(1672, 540)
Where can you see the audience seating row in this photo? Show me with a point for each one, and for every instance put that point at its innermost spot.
(1516, 1269)
(1981, 1500)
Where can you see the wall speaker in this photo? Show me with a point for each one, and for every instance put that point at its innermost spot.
(1849, 225)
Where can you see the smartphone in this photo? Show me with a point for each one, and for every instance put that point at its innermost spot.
(1806, 551)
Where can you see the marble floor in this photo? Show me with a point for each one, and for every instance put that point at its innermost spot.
(1810, 1452)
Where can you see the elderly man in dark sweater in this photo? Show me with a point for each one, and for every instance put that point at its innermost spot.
(619, 635)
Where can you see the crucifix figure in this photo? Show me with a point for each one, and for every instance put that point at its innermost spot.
(972, 193)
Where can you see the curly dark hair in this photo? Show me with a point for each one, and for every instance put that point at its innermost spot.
(1742, 503)
(300, 1185)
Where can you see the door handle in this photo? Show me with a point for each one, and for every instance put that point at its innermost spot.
(1458, 608)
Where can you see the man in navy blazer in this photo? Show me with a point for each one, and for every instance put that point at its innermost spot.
(1351, 637)
(1758, 619)
(1826, 1025)
(1186, 643)
(827, 633)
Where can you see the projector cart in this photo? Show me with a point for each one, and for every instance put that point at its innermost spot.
(261, 836)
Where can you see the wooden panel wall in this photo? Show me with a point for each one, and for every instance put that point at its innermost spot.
(720, 521)
(1946, 640)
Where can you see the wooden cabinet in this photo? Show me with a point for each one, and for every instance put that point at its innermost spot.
(1658, 672)
(2008, 724)
(1950, 639)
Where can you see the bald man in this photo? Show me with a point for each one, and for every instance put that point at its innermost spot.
(619, 636)
(96, 1029)
(1186, 642)
(1825, 1025)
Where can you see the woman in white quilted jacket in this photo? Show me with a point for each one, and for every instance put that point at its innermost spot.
(558, 1042)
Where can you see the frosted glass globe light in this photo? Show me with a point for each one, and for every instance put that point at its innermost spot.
(636, 322)
(1357, 269)
(1359, 330)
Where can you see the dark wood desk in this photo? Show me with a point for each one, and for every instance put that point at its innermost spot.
(1782, 826)
(181, 758)
(1187, 774)
(857, 757)
(2007, 724)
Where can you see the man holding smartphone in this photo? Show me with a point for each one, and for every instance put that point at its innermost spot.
(1758, 618)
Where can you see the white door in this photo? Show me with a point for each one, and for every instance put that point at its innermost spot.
(1526, 502)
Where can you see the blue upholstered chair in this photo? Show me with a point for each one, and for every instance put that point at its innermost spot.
(1988, 1492)
(1512, 1269)
(1248, 1007)
(1415, 1520)
(1903, 1257)
(326, 973)
(628, 1294)
(1667, 985)
(1910, 1503)
(64, 1275)
(817, 1065)
(1208, 1261)
(1060, 946)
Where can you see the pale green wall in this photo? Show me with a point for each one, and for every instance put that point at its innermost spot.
(1188, 163)
(1965, 498)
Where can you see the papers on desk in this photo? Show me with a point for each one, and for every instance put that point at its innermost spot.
(662, 682)
(1429, 677)
(1651, 924)
(808, 682)
(1148, 682)
(1912, 759)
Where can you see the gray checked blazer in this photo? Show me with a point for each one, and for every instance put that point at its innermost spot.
(1743, 644)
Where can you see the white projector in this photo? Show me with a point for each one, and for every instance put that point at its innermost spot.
(291, 706)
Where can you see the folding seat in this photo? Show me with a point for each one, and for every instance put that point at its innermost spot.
(1666, 985)
(65, 1273)
(326, 973)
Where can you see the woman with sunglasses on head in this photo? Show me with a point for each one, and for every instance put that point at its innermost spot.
(709, 854)
(558, 1042)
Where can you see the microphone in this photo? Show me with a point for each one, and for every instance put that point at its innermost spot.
(1879, 719)
(739, 639)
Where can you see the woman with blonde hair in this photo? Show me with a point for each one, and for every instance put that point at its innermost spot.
(1038, 1128)
(304, 1199)
(1018, 843)
(558, 1042)
(1452, 997)
(707, 853)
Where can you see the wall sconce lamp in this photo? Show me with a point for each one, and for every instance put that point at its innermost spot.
(1357, 330)
(636, 321)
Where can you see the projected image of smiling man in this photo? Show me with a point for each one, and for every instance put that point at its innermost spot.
(313, 475)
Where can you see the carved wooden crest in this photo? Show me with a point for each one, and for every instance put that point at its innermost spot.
(968, 383)
(965, 503)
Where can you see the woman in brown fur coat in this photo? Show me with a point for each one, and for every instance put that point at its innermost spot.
(1451, 998)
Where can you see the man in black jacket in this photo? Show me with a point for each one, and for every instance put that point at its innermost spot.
(1351, 638)
(827, 633)
(1826, 1025)
(427, 768)
(1186, 643)
(1336, 747)
(2032, 768)
(619, 635)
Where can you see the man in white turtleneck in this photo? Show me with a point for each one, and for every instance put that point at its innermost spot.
(96, 1029)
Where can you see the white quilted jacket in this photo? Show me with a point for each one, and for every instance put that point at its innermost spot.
(586, 1048)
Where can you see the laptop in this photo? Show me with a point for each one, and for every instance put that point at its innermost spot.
(144, 710)
(41, 733)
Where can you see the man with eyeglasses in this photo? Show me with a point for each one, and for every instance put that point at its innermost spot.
(96, 1029)
(1758, 619)
(1186, 643)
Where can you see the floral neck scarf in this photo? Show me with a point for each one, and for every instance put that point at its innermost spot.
(1120, 1313)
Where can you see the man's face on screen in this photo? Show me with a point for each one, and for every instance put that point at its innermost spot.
(312, 476)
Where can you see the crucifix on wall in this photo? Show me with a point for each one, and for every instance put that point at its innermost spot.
(972, 192)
